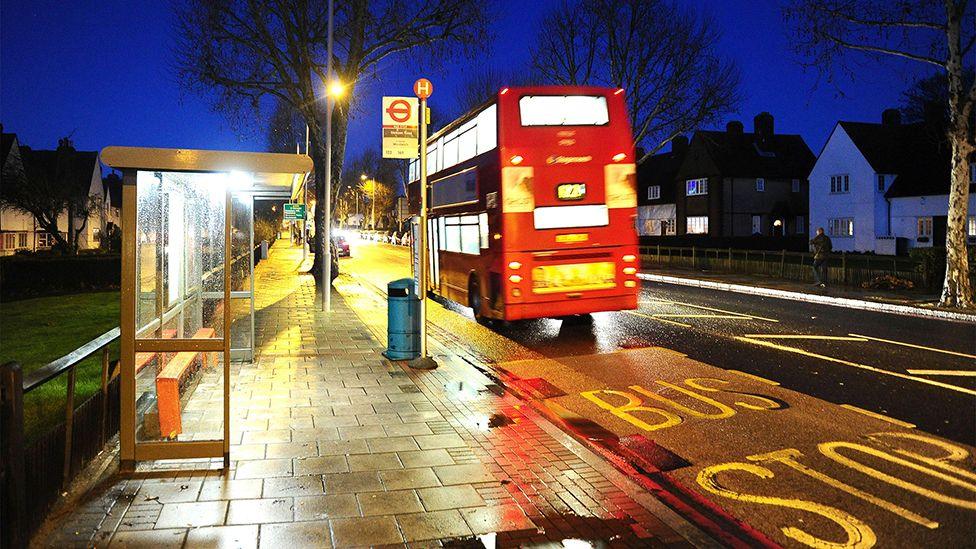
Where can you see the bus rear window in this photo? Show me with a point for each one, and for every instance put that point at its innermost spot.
(563, 110)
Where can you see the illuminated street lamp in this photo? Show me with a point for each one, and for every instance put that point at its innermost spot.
(333, 91)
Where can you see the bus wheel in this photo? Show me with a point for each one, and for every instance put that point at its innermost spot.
(474, 300)
(582, 319)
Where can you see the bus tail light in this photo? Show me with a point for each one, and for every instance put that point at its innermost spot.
(629, 258)
(630, 270)
(630, 283)
(516, 292)
(515, 265)
(516, 160)
(504, 91)
(515, 278)
(619, 91)
(619, 156)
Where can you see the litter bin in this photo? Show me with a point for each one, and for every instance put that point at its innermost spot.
(403, 320)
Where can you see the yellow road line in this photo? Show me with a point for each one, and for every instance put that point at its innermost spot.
(790, 336)
(959, 373)
(923, 347)
(635, 313)
(720, 311)
(876, 415)
(674, 315)
(856, 365)
(754, 377)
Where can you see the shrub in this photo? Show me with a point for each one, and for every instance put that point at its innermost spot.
(40, 275)
(888, 282)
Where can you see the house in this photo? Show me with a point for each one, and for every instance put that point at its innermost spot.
(20, 231)
(883, 187)
(738, 184)
(655, 190)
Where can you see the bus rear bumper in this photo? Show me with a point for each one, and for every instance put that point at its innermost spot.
(566, 307)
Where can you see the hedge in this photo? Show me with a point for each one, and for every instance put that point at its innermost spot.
(25, 277)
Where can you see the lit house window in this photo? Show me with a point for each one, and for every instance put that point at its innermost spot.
(696, 186)
(697, 225)
(9, 241)
(669, 225)
(840, 184)
(654, 192)
(760, 185)
(924, 228)
(971, 226)
(796, 185)
(841, 226)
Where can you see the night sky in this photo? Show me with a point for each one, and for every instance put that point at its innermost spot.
(101, 72)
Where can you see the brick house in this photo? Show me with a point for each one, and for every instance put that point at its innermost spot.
(738, 184)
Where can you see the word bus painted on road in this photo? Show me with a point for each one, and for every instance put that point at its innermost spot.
(532, 202)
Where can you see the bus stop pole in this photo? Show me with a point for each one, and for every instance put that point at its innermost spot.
(422, 290)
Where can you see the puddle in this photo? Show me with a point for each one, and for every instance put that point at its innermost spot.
(563, 531)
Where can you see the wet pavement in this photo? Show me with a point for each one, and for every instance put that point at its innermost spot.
(811, 424)
(333, 445)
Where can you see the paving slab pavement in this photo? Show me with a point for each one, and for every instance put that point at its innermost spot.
(333, 445)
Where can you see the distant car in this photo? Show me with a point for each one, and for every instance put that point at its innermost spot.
(342, 245)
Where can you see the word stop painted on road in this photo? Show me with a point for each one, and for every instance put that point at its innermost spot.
(400, 127)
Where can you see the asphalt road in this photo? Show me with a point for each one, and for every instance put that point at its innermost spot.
(810, 423)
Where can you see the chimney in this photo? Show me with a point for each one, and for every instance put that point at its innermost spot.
(734, 127)
(891, 117)
(763, 126)
(679, 144)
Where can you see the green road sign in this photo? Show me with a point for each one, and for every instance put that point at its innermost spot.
(294, 212)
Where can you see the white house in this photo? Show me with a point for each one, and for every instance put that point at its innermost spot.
(20, 231)
(883, 187)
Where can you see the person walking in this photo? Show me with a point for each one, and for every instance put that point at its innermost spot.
(822, 246)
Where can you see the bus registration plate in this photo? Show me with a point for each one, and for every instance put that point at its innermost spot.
(574, 277)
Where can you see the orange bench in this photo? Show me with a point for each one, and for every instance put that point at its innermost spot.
(143, 359)
(168, 382)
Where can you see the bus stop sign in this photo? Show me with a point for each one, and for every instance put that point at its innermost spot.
(422, 88)
(294, 212)
(399, 127)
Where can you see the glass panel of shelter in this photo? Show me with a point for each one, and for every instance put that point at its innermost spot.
(179, 332)
(242, 277)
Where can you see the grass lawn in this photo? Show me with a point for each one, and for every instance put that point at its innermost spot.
(35, 332)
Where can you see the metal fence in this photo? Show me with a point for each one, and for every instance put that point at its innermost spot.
(52, 459)
(842, 268)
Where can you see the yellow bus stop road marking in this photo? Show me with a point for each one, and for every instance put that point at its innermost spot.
(754, 377)
(772, 345)
(959, 373)
(876, 415)
(912, 345)
(704, 308)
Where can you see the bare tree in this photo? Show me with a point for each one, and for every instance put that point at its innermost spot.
(239, 52)
(286, 129)
(935, 33)
(483, 83)
(50, 185)
(662, 55)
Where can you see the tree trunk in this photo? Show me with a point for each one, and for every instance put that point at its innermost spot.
(340, 122)
(957, 290)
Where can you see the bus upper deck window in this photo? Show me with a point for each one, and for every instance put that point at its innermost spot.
(563, 110)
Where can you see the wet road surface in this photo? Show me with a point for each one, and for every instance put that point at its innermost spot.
(811, 423)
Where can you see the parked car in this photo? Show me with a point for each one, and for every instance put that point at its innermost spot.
(342, 245)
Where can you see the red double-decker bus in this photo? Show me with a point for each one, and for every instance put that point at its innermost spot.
(532, 205)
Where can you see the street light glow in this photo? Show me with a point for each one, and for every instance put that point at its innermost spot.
(336, 89)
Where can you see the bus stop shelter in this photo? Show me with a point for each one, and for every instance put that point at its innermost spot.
(187, 288)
